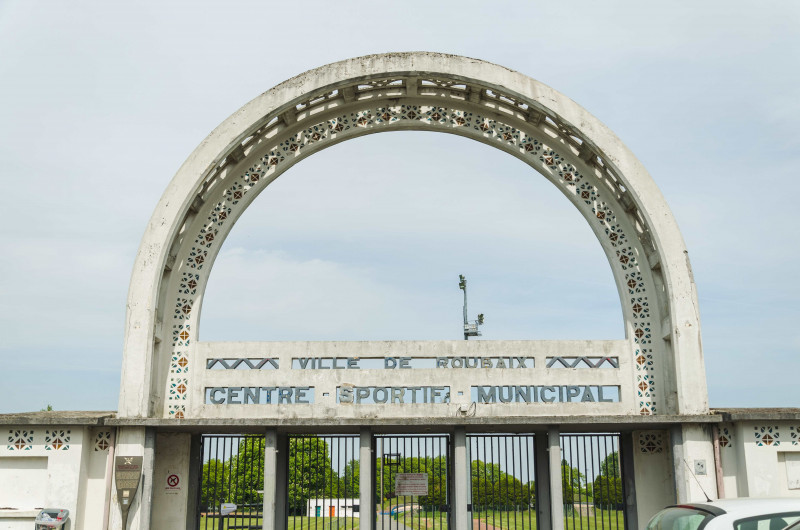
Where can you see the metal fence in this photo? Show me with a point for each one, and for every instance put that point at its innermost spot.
(592, 485)
(323, 478)
(233, 472)
(420, 498)
(502, 476)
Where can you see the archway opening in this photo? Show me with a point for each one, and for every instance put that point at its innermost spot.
(366, 240)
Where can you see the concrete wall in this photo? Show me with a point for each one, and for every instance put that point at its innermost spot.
(760, 458)
(171, 488)
(61, 466)
(654, 475)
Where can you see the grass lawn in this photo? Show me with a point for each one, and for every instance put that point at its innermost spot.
(501, 519)
(425, 520)
(294, 523)
(601, 519)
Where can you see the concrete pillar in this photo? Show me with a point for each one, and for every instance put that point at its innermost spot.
(148, 468)
(461, 479)
(693, 461)
(270, 474)
(556, 496)
(366, 486)
(194, 480)
(542, 459)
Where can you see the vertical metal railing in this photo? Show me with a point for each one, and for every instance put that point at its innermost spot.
(428, 455)
(232, 472)
(323, 482)
(503, 481)
(592, 485)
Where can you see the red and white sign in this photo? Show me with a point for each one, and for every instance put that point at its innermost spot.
(172, 484)
(411, 484)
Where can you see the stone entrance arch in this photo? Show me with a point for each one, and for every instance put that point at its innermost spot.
(172, 385)
(412, 91)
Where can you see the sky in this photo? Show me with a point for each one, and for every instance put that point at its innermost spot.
(101, 102)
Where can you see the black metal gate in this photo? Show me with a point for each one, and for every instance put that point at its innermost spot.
(322, 482)
(591, 479)
(232, 473)
(413, 484)
(502, 492)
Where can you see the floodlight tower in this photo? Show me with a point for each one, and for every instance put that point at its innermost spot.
(470, 328)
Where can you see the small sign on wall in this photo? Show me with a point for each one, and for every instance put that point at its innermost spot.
(411, 484)
(173, 483)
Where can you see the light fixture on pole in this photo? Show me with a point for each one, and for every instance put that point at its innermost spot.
(470, 328)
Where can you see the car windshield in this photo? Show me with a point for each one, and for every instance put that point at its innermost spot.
(777, 521)
(680, 518)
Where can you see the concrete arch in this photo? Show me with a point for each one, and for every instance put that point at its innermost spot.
(412, 91)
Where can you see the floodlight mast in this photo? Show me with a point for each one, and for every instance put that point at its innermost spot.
(470, 328)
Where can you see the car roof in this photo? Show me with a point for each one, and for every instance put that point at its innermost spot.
(747, 506)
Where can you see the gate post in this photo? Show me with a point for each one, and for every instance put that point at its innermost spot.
(281, 481)
(366, 486)
(541, 452)
(268, 515)
(628, 482)
(556, 496)
(461, 477)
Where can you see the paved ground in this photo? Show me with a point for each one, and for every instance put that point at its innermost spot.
(386, 522)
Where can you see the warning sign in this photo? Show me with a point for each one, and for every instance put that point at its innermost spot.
(411, 484)
(172, 483)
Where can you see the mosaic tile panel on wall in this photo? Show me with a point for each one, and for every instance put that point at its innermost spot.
(20, 440)
(651, 442)
(57, 439)
(767, 435)
(726, 437)
(102, 441)
(586, 191)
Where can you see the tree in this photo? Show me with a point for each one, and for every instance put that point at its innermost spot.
(610, 465)
(608, 492)
(572, 482)
(246, 470)
(310, 472)
(213, 491)
(350, 481)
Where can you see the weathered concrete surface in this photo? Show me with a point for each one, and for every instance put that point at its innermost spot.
(78, 417)
(681, 388)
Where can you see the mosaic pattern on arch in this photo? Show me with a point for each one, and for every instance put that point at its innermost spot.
(651, 442)
(57, 439)
(552, 162)
(20, 440)
(767, 435)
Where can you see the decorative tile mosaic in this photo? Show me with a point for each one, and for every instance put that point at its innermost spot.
(590, 193)
(794, 434)
(102, 441)
(20, 440)
(651, 442)
(767, 435)
(725, 437)
(57, 439)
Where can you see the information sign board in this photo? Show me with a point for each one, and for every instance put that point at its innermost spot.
(411, 484)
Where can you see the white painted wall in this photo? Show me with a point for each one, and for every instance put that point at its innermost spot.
(42, 473)
(653, 473)
(762, 458)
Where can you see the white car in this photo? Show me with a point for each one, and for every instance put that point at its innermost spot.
(727, 514)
